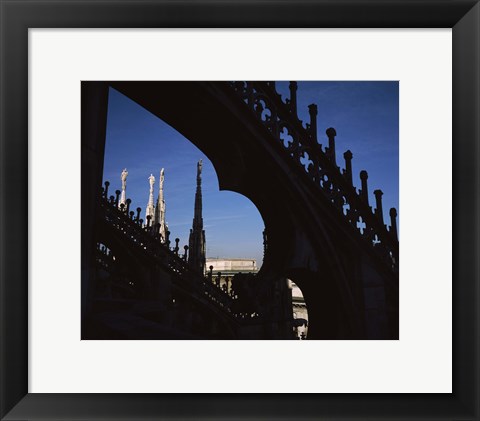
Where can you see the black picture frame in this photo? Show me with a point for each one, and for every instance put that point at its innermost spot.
(17, 16)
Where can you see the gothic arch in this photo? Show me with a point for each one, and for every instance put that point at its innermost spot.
(306, 240)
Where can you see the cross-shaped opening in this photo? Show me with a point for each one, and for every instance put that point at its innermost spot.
(286, 137)
(361, 225)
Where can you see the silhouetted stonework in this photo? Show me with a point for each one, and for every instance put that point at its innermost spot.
(142, 282)
(319, 231)
(281, 120)
(196, 241)
(160, 208)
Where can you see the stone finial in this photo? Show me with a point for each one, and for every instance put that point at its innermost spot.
(117, 197)
(150, 209)
(293, 97)
(177, 240)
(379, 209)
(128, 202)
(151, 181)
(364, 191)
(199, 172)
(393, 223)
(313, 111)
(331, 133)
(160, 207)
(137, 218)
(167, 238)
(162, 177)
(105, 193)
(123, 177)
(348, 166)
(185, 255)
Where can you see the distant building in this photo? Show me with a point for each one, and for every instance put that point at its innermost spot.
(222, 271)
(230, 267)
(300, 314)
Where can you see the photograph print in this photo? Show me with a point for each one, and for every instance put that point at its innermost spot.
(240, 210)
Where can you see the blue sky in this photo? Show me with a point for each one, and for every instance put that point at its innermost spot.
(364, 115)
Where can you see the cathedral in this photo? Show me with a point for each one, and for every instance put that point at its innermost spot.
(321, 234)
(174, 295)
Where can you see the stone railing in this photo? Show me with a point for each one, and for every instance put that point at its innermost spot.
(303, 150)
(147, 239)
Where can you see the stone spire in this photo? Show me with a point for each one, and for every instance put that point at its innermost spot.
(196, 245)
(150, 210)
(160, 208)
(123, 197)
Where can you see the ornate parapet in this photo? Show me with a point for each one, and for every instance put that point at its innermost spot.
(302, 150)
(147, 239)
